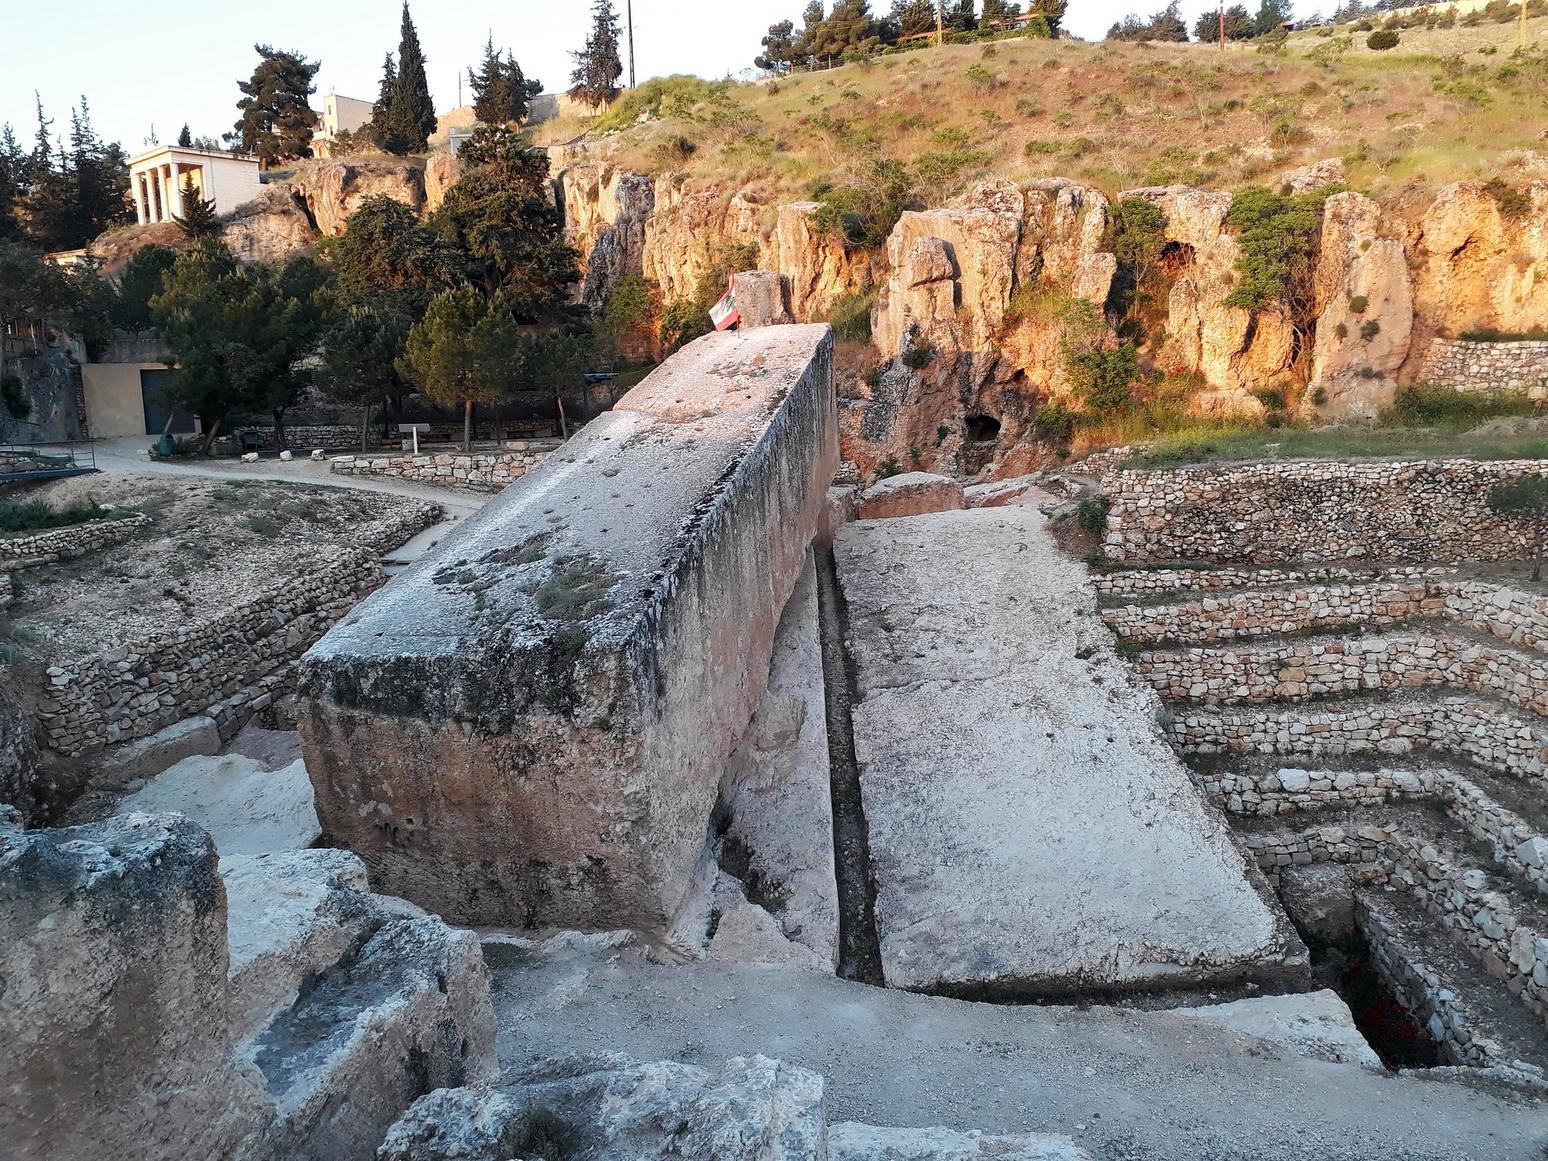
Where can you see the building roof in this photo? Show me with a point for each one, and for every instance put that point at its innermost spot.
(182, 152)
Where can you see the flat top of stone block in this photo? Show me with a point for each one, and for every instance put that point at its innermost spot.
(906, 481)
(1028, 824)
(589, 541)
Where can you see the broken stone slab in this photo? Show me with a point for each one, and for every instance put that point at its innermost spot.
(1317, 1025)
(113, 995)
(530, 725)
(910, 494)
(149, 756)
(848, 1141)
(611, 1108)
(289, 915)
(407, 1013)
(1024, 490)
(1031, 833)
(247, 808)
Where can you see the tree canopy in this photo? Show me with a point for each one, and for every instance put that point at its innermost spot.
(502, 93)
(277, 118)
(1166, 24)
(598, 65)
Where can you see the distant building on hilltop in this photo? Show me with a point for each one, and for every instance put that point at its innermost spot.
(339, 115)
(157, 177)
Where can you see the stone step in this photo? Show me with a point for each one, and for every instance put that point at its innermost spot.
(1471, 1015)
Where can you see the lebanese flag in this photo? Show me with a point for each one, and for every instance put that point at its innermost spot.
(724, 313)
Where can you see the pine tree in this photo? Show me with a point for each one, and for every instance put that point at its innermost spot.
(382, 124)
(913, 17)
(277, 120)
(411, 110)
(1052, 12)
(198, 219)
(598, 66)
(13, 172)
(998, 10)
(502, 93)
(778, 48)
(185, 137)
(100, 177)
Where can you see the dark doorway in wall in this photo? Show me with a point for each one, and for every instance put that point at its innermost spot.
(981, 428)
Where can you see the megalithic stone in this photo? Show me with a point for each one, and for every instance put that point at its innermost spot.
(528, 727)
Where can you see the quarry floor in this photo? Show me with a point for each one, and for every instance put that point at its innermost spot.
(1158, 1086)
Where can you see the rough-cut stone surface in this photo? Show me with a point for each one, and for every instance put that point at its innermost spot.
(333, 190)
(605, 210)
(289, 915)
(762, 298)
(530, 725)
(1030, 831)
(776, 805)
(112, 995)
(1314, 1024)
(146, 757)
(910, 494)
(849, 1141)
(247, 808)
(442, 171)
(611, 1108)
(272, 228)
(406, 1014)
(18, 756)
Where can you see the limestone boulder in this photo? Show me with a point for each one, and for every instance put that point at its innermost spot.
(611, 1108)
(762, 298)
(910, 494)
(272, 228)
(1365, 311)
(1309, 178)
(111, 251)
(333, 190)
(247, 808)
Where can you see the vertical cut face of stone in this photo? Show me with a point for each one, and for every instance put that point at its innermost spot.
(1030, 831)
(529, 726)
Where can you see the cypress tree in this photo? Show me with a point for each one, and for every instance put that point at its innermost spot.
(185, 137)
(198, 219)
(13, 169)
(598, 65)
(382, 124)
(412, 110)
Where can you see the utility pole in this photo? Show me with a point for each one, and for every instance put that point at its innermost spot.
(940, 23)
(1521, 28)
(629, 18)
(1222, 24)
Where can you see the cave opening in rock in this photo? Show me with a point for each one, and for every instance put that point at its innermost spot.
(1175, 258)
(982, 428)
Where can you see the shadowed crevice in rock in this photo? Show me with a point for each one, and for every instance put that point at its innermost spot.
(859, 948)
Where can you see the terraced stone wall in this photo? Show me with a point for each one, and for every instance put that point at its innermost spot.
(56, 544)
(1313, 511)
(1488, 367)
(489, 471)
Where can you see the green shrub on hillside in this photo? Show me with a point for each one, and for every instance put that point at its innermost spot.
(1513, 203)
(1423, 405)
(1278, 237)
(1382, 39)
(862, 216)
(37, 515)
(850, 316)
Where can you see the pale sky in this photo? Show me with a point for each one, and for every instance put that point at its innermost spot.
(163, 64)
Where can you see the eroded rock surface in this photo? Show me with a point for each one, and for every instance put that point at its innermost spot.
(611, 1108)
(247, 808)
(1030, 831)
(849, 1141)
(910, 494)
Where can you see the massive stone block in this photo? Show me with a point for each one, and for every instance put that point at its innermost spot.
(529, 726)
(113, 995)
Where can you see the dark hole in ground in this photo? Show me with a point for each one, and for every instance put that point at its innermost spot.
(982, 428)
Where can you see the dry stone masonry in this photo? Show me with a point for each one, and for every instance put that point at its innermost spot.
(1314, 511)
(56, 544)
(1488, 367)
(486, 471)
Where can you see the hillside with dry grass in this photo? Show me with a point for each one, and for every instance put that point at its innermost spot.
(1446, 104)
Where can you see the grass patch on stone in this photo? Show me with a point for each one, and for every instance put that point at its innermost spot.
(577, 590)
(18, 517)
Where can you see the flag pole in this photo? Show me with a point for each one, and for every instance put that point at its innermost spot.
(629, 10)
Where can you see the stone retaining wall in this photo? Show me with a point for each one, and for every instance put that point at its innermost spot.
(1509, 614)
(55, 544)
(1516, 844)
(1483, 919)
(1416, 511)
(226, 666)
(1299, 669)
(1130, 582)
(489, 471)
(1422, 992)
(1466, 728)
(1483, 367)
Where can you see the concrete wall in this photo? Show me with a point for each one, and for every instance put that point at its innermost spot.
(1316, 511)
(115, 404)
(529, 727)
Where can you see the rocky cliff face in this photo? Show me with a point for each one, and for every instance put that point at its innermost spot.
(333, 190)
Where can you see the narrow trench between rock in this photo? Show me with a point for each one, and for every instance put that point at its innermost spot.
(859, 947)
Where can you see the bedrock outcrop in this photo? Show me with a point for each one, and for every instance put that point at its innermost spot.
(530, 726)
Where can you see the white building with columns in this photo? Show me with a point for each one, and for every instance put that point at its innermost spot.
(157, 176)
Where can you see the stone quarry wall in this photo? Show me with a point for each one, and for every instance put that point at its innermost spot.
(479, 470)
(56, 544)
(227, 666)
(1506, 366)
(529, 727)
(1400, 511)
